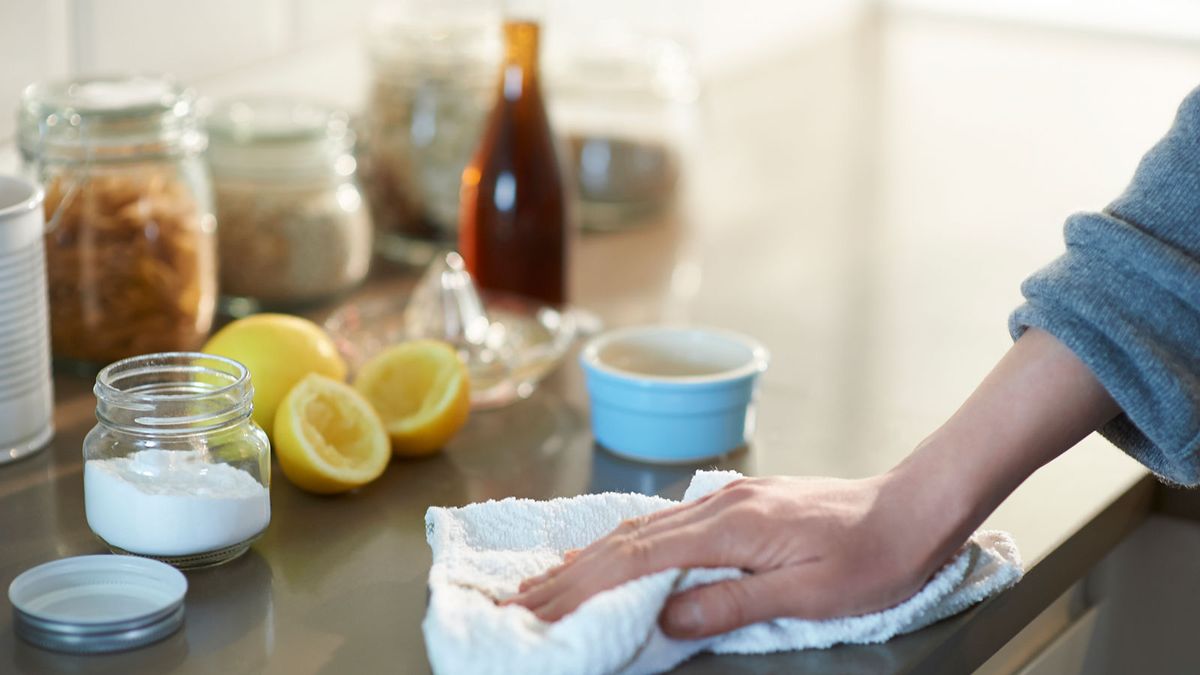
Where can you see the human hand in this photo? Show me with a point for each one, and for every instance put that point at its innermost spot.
(817, 548)
(813, 548)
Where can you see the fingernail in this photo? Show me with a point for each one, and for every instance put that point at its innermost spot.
(684, 618)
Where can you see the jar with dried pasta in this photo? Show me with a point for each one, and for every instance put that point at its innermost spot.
(131, 239)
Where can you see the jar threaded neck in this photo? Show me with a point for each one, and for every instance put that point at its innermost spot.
(173, 393)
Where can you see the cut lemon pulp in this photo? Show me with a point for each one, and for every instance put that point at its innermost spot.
(278, 350)
(328, 438)
(420, 389)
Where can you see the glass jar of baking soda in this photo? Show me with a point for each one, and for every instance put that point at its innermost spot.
(175, 468)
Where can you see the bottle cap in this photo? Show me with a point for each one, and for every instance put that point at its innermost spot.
(97, 603)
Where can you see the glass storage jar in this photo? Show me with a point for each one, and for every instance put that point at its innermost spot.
(293, 226)
(624, 104)
(433, 77)
(175, 468)
(130, 242)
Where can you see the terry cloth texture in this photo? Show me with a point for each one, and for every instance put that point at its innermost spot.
(482, 552)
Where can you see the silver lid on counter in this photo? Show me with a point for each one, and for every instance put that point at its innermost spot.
(97, 603)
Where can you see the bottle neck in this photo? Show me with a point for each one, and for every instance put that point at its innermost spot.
(519, 73)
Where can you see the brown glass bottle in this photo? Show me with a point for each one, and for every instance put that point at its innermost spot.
(512, 218)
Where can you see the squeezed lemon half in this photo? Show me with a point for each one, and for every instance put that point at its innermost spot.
(328, 439)
(278, 350)
(421, 391)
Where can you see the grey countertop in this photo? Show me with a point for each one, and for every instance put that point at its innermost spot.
(866, 205)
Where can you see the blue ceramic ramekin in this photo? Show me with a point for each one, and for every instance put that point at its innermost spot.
(672, 395)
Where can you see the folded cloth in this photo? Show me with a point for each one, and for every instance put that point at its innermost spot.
(482, 552)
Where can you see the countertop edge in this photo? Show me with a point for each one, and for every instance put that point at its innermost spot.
(975, 636)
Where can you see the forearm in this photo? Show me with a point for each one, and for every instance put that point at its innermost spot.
(1124, 298)
(1036, 403)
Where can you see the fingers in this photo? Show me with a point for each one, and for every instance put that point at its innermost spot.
(568, 557)
(622, 560)
(805, 592)
(539, 579)
(641, 527)
(653, 524)
(672, 537)
(717, 608)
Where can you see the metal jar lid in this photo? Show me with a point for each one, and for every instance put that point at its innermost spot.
(97, 603)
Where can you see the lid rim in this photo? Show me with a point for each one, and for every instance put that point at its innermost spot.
(25, 590)
(84, 628)
(52, 96)
(103, 643)
(56, 119)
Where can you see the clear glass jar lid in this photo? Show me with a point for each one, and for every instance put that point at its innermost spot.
(423, 38)
(612, 62)
(260, 121)
(255, 135)
(109, 115)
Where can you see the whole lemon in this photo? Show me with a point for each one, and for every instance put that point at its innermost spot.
(279, 350)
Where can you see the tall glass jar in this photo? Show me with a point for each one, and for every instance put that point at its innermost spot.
(175, 468)
(294, 229)
(625, 106)
(131, 239)
(433, 73)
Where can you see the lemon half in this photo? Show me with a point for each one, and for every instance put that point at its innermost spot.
(278, 350)
(421, 391)
(328, 439)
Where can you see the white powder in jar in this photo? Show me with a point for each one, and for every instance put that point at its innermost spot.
(172, 503)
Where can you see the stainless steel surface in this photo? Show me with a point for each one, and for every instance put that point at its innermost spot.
(866, 206)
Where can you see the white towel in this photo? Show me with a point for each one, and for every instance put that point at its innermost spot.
(482, 552)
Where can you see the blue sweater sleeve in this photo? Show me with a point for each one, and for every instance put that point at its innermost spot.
(1125, 297)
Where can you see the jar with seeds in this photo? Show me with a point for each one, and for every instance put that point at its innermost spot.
(433, 75)
(294, 229)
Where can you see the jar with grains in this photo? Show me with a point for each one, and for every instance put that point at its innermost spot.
(433, 75)
(293, 226)
(625, 103)
(131, 239)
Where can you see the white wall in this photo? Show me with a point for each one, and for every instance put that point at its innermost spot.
(312, 47)
(33, 45)
(1172, 19)
(194, 40)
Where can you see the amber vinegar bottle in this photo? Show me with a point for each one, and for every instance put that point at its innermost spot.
(512, 217)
